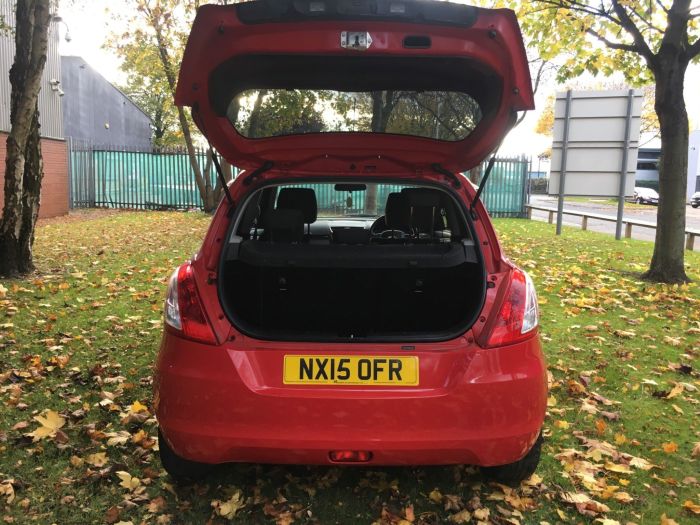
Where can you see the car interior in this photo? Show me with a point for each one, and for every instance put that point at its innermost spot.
(290, 272)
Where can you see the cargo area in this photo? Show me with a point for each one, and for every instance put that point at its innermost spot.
(408, 269)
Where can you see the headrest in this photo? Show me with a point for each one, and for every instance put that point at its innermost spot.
(284, 226)
(302, 199)
(423, 197)
(397, 212)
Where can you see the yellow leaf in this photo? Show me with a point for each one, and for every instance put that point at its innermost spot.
(128, 481)
(50, 423)
(98, 459)
(7, 490)
(614, 467)
(482, 514)
(229, 508)
(676, 390)
(3, 291)
(435, 496)
(461, 517)
(620, 439)
(667, 521)
(137, 407)
(561, 424)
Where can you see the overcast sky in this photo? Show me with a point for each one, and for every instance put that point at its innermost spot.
(90, 24)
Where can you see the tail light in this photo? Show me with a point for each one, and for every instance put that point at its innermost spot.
(184, 312)
(518, 316)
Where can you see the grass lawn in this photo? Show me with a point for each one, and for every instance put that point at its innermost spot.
(78, 339)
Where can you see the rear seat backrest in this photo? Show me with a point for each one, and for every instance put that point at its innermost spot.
(284, 226)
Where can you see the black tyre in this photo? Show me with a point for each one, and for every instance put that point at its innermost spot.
(180, 469)
(513, 473)
(638, 201)
(695, 205)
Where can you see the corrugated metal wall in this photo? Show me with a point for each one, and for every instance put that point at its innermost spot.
(50, 115)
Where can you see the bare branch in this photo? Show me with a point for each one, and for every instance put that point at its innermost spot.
(628, 25)
(614, 45)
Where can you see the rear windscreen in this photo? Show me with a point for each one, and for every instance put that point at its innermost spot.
(441, 115)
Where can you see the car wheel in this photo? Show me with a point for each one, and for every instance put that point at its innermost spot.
(513, 473)
(180, 469)
(695, 205)
(638, 200)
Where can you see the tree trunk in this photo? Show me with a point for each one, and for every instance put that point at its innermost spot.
(204, 189)
(23, 165)
(382, 106)
(667, 263)
(33, 176)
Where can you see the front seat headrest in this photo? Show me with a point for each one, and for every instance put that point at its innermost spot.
(302, 199)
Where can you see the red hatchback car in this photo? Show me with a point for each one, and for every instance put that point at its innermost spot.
(350, 303)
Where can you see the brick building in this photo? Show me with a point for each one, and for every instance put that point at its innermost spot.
(54, 190)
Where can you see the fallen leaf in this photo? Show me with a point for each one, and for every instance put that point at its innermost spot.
(98, 459)
(669, 448)
(50, 423)
(128, 481)
(463, 516)
(228, 509)
(692, 507)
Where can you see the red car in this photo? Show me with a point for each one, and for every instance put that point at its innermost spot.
(350, 303)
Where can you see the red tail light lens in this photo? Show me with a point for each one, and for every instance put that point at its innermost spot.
(184, 312)
(518, 315)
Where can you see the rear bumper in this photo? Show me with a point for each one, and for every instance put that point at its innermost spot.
(222, 404)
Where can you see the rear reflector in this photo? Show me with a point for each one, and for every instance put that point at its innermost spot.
(350, 456)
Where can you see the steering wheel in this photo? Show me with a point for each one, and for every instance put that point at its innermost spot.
(393, 234)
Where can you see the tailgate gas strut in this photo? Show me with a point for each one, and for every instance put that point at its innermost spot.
(220, 174)
(485, 178)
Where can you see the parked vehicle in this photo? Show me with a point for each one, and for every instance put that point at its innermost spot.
(695, 199)
(645, 196)
(397, 335)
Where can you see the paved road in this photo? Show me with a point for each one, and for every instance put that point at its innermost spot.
(648, 213)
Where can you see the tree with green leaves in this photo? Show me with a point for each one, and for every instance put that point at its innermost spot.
(24, 167)
(649, 42)
(148, 87)
(162, 27)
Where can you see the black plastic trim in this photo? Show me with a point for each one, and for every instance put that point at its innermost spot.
(410, 11)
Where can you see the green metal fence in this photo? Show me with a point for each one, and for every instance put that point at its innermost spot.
(505, 194)
(113, 178)
(110, 177)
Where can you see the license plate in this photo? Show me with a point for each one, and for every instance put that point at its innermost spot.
(350, 370)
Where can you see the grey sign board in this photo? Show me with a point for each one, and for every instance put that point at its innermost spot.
(597, 142)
